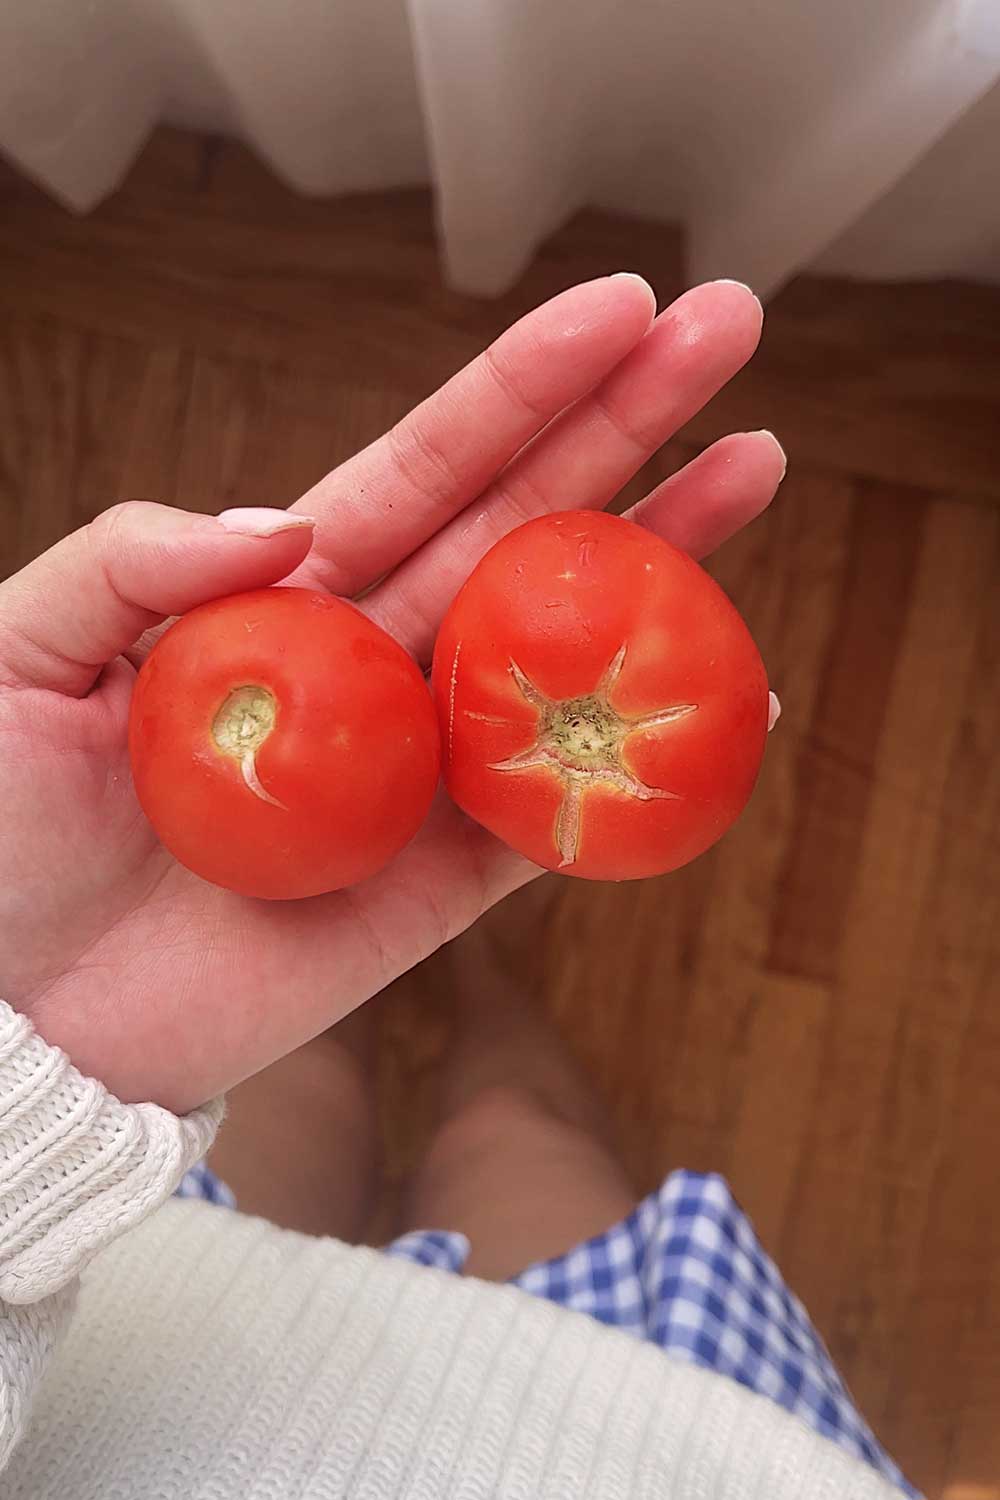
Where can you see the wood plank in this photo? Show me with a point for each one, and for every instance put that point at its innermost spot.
(618, 962)
(848, 1248)
(835, 770)
(803, 538)
(943, 1415)
(947, 1285)
(201, 247)
(782, 1069)
(90, 421)
(899, 382)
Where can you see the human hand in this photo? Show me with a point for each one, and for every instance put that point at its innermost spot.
(173, 990)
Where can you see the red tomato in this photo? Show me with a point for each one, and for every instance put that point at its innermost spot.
(282, 744)
(603, 707)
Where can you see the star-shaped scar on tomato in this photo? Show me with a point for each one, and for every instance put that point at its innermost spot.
(581, 741)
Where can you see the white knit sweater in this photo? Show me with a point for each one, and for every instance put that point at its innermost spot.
(212, 1355)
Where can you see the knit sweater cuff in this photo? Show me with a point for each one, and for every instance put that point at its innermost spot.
(77, 1167)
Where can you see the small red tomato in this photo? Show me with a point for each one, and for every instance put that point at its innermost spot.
(282, 744)
(603, 707)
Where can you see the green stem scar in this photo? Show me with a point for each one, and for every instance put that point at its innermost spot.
(240, 727)
(581, 741)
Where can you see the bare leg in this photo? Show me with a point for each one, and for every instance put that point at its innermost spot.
(299, 1143)
(521, 1162)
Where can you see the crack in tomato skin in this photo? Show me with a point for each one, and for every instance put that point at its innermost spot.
(452, 689)
(581, 740)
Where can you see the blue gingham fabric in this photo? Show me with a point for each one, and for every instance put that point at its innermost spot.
(686, 1271)
(201, 1182)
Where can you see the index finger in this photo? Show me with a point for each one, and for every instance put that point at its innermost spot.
(377, 508)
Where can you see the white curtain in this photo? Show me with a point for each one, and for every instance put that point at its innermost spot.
(859, 135)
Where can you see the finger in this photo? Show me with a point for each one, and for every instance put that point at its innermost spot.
(137, 653)
(379, 506)
(89, 597)
(699, 507)
(584, 457)
(717, 493)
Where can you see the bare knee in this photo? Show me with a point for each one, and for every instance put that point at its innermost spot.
(518, 1179)
(498, 1116)
(508, 1132)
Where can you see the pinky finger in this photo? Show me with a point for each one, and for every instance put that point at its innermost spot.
(717, 493)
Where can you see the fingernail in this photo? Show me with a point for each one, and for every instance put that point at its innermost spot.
(262, 521)
(773, 711)
(639, 281)
(728, 281)
(766, 432)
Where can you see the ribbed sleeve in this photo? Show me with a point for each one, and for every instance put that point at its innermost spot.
(77, 1167)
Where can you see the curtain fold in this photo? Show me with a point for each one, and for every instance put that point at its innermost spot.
(856, 137)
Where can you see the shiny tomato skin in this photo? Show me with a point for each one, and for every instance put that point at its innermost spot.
(556, 601)
(353, 756)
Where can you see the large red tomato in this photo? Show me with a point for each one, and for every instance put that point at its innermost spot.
(603, 707)
(282, 744)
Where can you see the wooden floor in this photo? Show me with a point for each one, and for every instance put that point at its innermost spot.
(814, 1007)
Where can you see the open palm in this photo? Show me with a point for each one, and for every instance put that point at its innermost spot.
(170, 989)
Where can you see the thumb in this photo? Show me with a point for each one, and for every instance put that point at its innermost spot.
(91, 595)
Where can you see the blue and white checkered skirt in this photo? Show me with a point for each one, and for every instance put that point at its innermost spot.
(686, 1271)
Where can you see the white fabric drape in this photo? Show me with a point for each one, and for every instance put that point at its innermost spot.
(862, 135)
